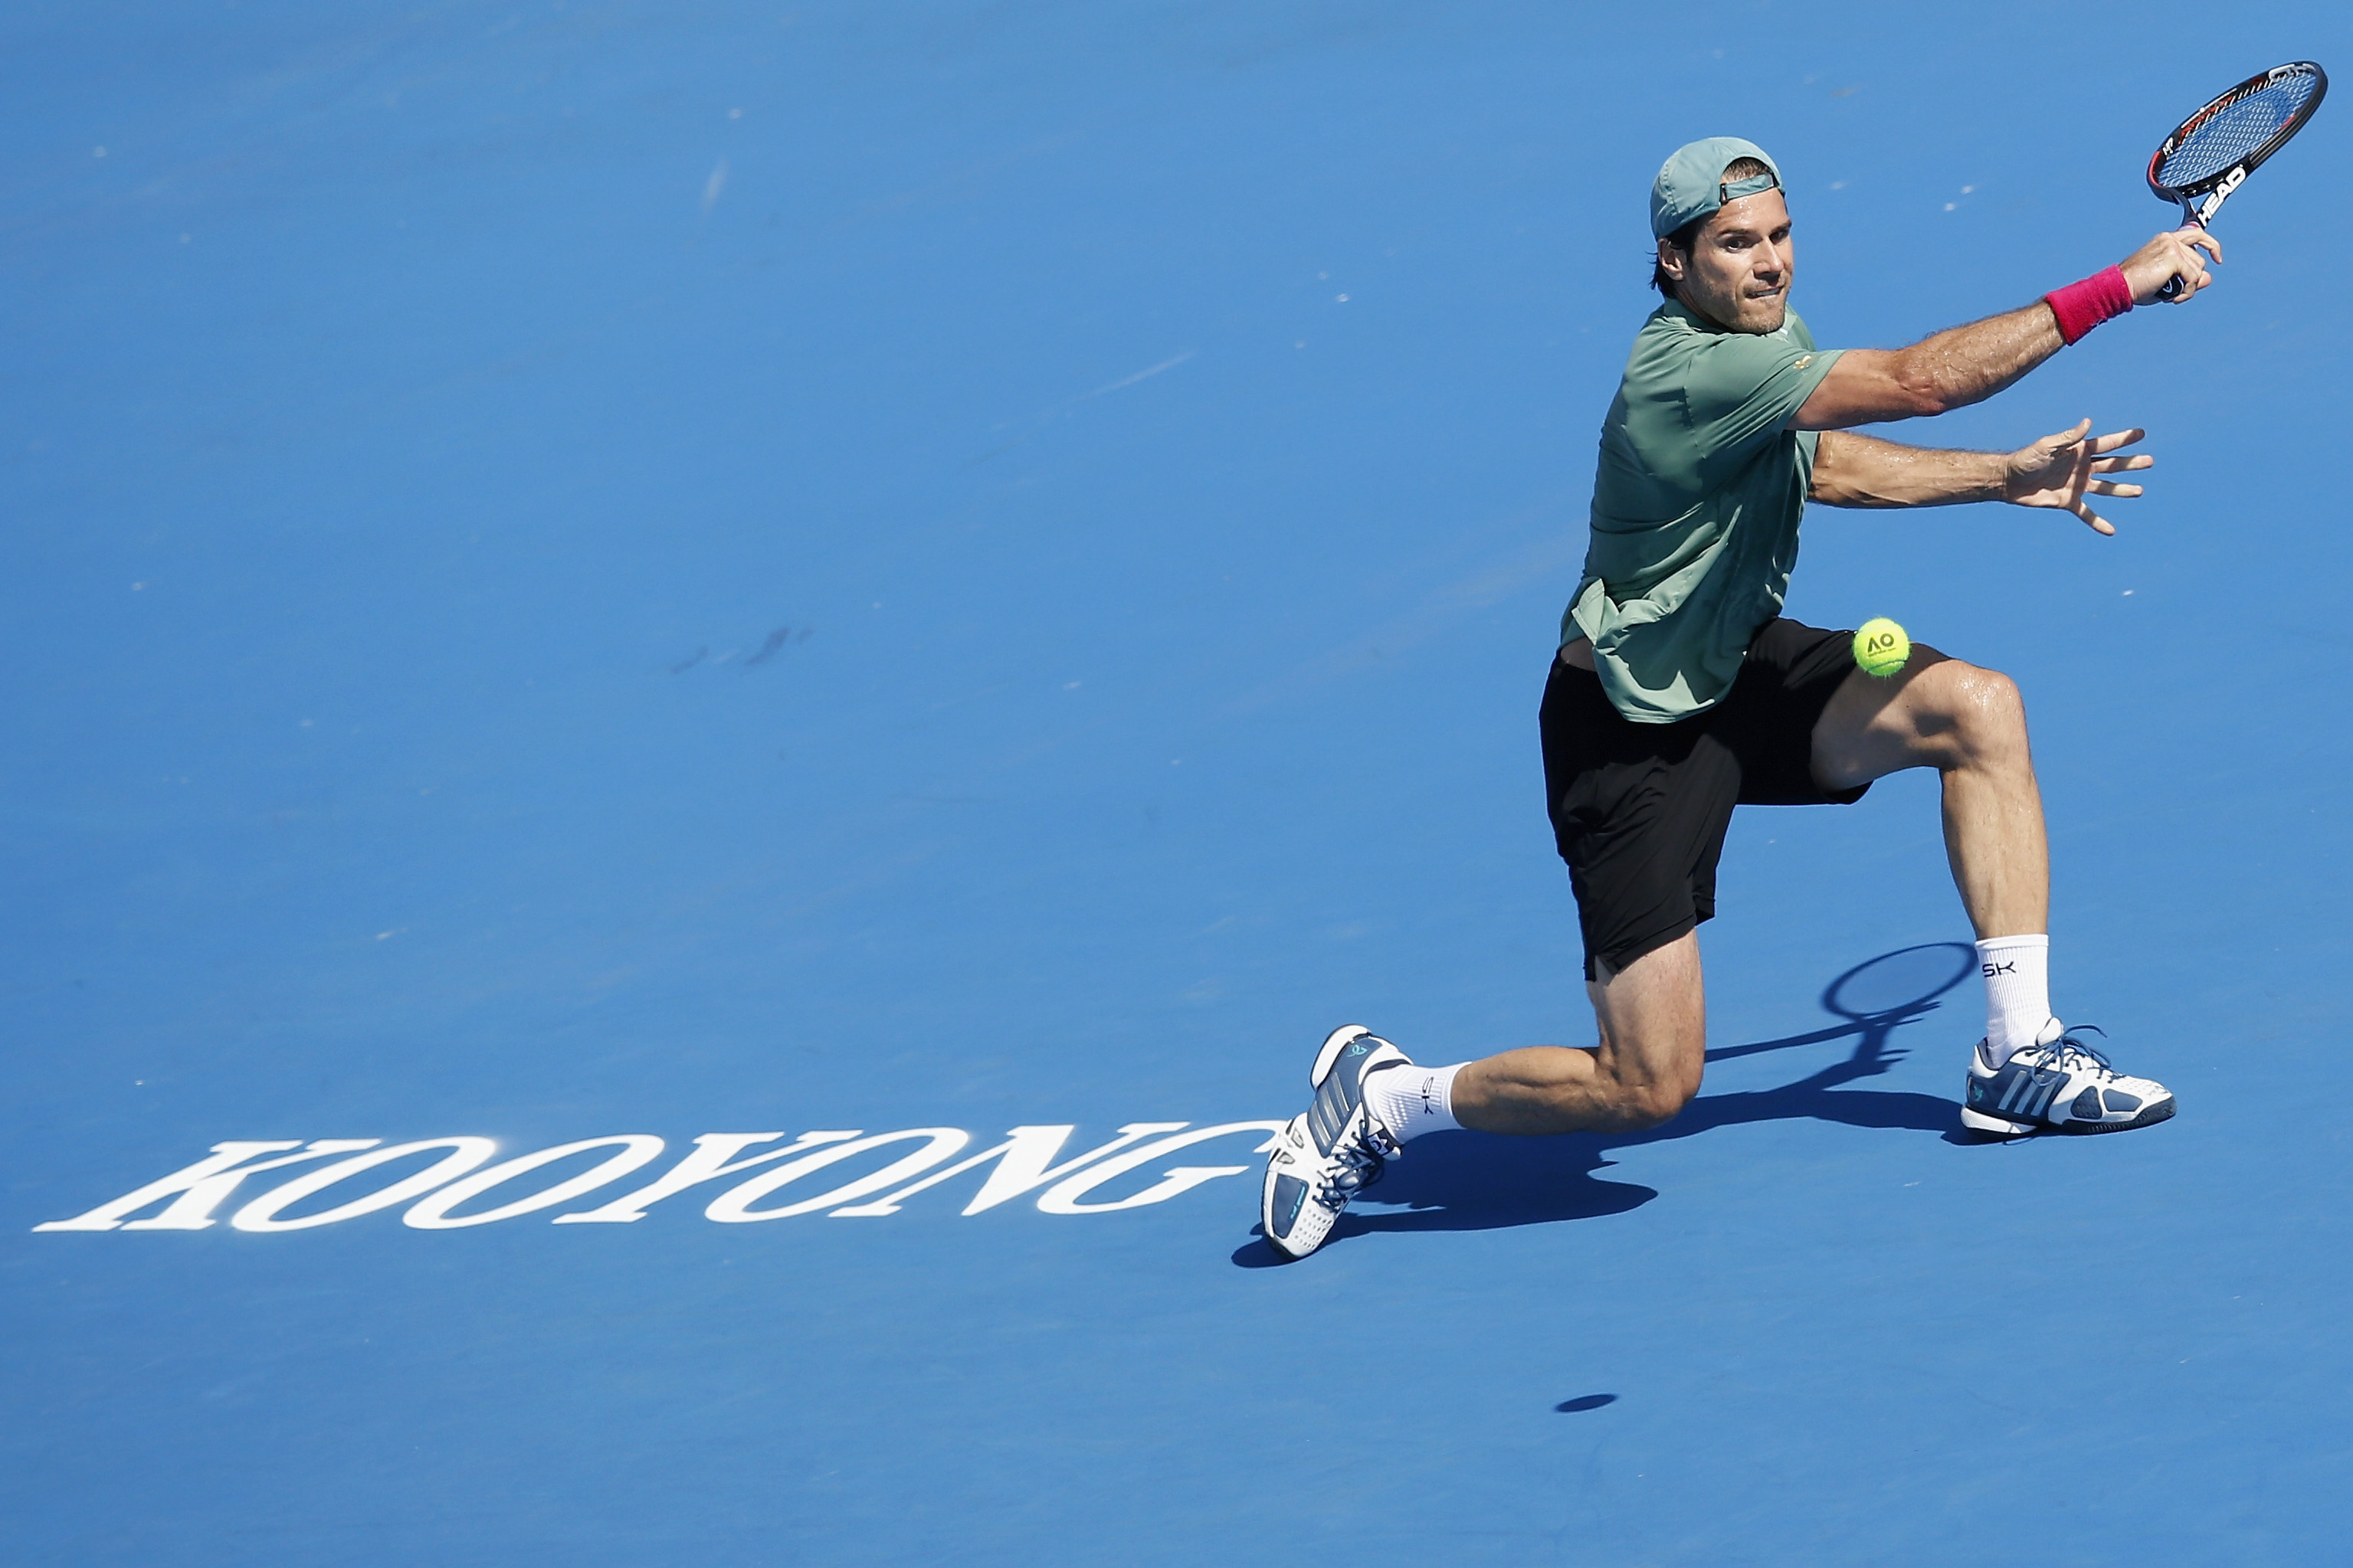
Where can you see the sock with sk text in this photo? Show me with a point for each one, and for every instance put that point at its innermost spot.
(2017, 970)
(1410, 1100)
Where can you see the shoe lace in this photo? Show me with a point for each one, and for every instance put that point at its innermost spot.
(2067, 1053)
(1362, 1164)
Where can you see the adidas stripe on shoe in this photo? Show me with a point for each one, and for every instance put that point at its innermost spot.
(1333, 1150)
(2059, 1084)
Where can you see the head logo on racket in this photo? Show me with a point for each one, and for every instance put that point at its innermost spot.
(2212, 154)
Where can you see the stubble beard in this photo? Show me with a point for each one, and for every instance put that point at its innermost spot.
(1740, 313)
(1765, 315)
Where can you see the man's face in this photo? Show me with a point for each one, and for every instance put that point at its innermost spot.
(1737, 274)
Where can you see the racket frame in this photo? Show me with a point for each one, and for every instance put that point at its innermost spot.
(2216, 188)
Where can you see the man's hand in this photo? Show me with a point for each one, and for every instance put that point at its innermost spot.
(2173, 254)
(2061, 471)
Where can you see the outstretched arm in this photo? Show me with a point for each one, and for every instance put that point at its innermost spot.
(2057, 472)
(1962, 365)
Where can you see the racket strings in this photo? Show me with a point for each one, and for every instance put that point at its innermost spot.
(2235, 131)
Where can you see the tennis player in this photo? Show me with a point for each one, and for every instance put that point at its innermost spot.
(1680, 691)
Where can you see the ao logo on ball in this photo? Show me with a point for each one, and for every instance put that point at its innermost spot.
(1881, 647)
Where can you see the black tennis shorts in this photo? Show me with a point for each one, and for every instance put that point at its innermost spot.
(1639, 810)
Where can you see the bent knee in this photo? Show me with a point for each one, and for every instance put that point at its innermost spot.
(1983, 709)
(1973, 692)
(1656, 1104)
(1985, 691)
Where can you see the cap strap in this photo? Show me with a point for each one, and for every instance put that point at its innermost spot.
(1736, 189)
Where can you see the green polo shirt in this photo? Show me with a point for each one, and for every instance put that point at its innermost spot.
(1695, 510)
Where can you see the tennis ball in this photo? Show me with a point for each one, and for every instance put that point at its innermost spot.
(1881, 647)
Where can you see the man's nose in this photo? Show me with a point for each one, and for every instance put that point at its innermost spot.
(1771, 259)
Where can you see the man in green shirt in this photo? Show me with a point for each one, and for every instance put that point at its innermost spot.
(1679, 692)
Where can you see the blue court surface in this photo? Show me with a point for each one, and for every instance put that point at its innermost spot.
(849, 580)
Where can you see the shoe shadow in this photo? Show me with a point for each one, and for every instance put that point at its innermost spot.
(1482, 1181)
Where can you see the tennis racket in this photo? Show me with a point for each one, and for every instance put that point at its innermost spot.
(2216, 149)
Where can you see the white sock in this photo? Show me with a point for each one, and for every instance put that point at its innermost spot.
(2017, 970)
(1410, 1100)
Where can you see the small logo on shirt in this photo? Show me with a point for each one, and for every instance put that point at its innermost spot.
(1802, 362)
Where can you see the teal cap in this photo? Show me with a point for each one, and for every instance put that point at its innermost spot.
(1691, 183)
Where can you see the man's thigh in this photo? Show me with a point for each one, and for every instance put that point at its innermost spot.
(1639, 812)
(1653, 1019)
(1876, 725)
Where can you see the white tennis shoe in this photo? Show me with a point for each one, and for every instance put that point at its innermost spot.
(1333, 1150)
(2059, 1084)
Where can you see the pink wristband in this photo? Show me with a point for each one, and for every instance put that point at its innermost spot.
(2080, 307)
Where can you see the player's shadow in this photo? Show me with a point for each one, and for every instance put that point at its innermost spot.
(1477, 1181)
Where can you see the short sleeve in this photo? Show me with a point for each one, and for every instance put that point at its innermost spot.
(1742, 389)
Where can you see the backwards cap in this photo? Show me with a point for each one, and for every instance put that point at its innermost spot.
(1691, 183)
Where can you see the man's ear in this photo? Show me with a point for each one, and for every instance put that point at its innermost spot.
(1671, 261)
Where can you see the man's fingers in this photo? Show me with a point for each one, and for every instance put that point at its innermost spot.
(2117, 465)
(2099, 525)
(2188, 266)
(2177, 254)
(2054, 444)
(2120, 438)
(2110, 487)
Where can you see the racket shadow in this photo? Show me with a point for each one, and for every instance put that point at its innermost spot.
(1481, 1180)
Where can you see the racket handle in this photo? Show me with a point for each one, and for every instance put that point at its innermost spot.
(2172, 288)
